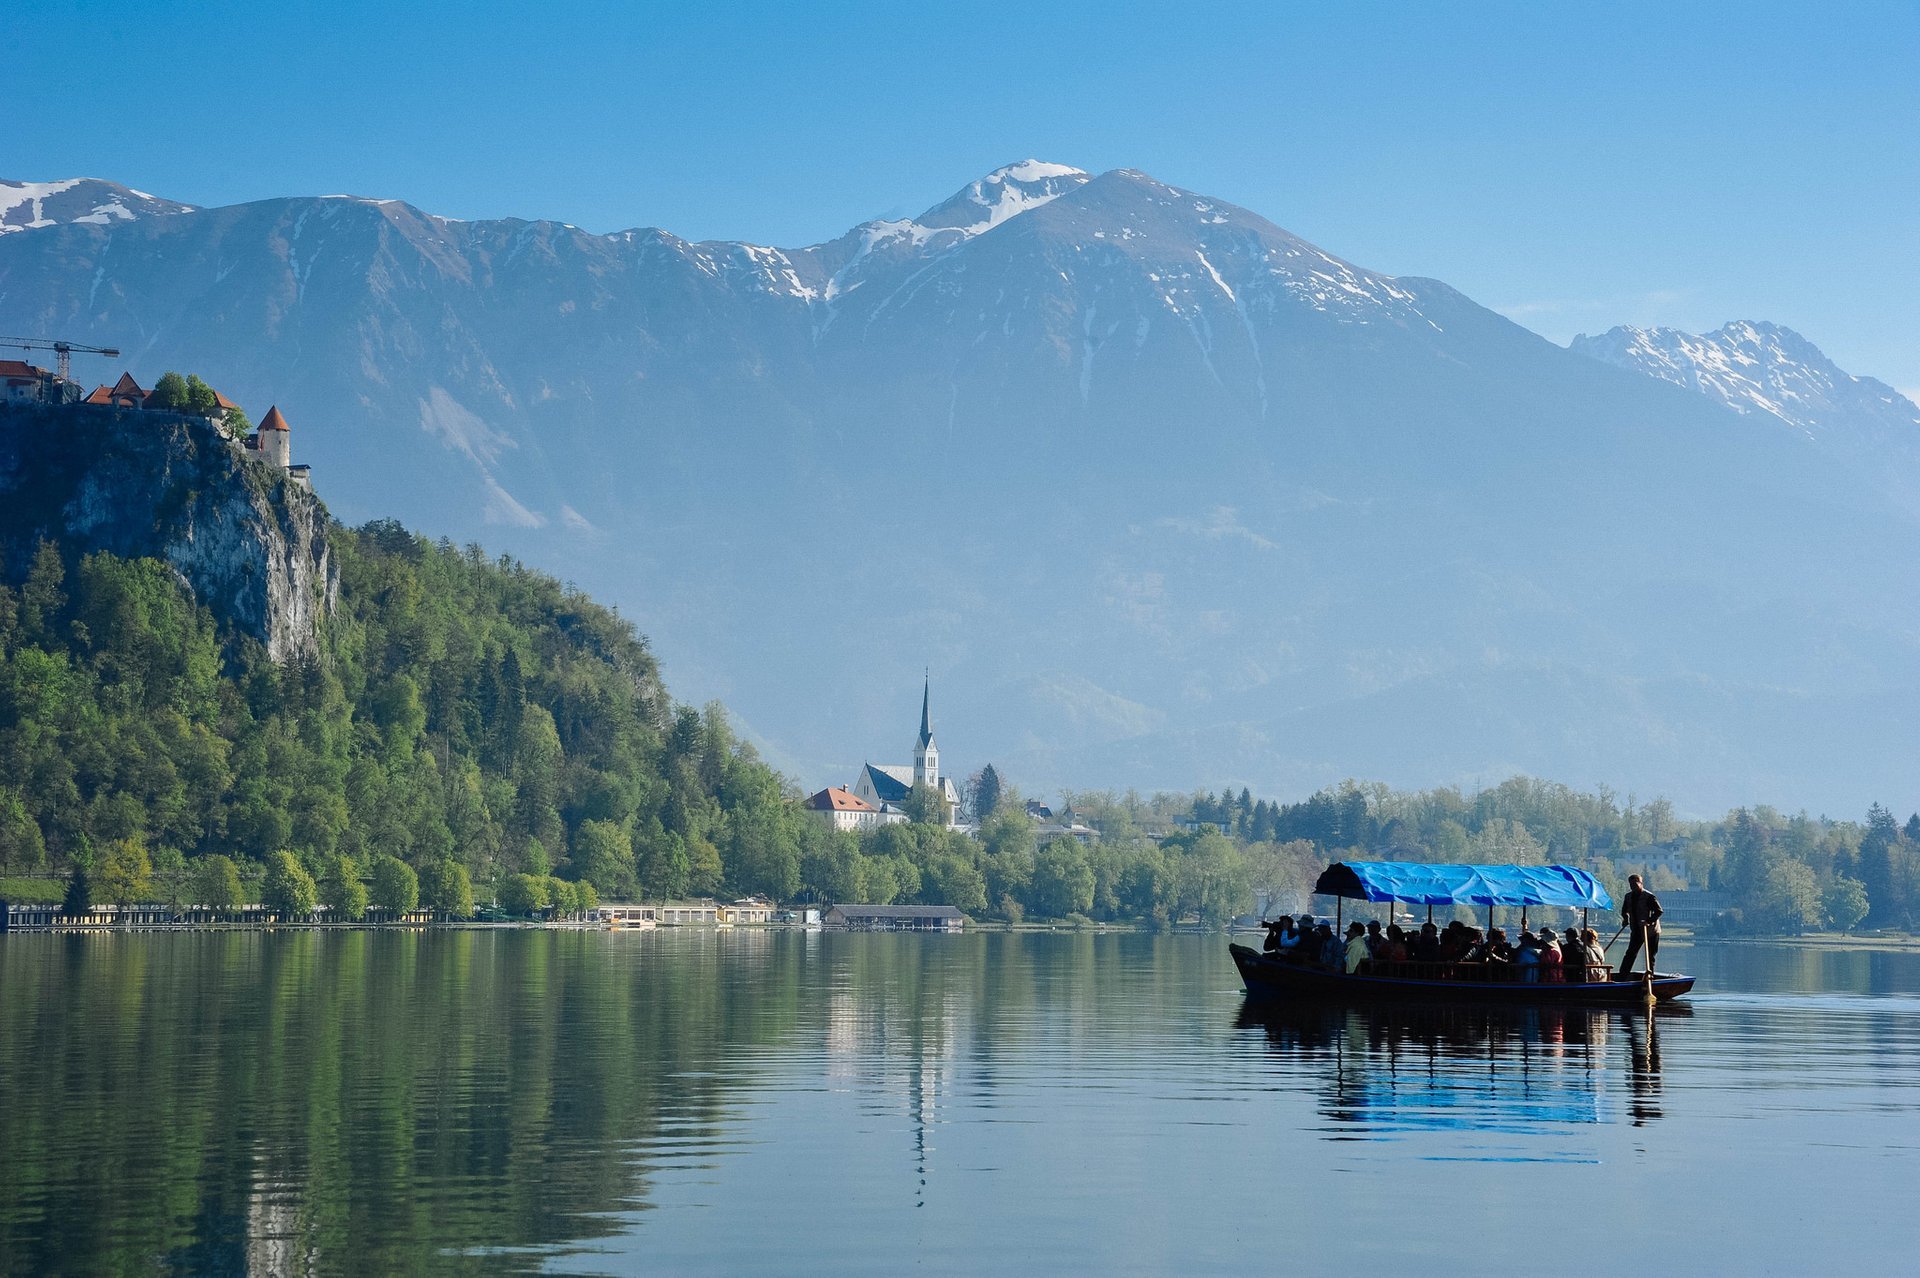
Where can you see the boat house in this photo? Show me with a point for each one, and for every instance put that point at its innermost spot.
(895, 918)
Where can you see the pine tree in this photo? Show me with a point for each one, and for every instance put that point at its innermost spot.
(79, 899)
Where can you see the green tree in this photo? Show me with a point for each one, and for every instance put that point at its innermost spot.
(79, 899)
(396, 888)
(524, 895)
(1844, 903)
(21, 845)
(216, 884)
(1790, 899)
(170, 393)
(704, 868)
(447, 889)
(341, 890)
(986, 793)
(201, 398)
(289, 890)
(586, 900)
(956, 881)
(603, 852)
(1212, 878)
(927, 805)
(126, 872)
(1062, 880)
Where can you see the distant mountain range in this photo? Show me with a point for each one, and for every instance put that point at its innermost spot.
(1165, 495)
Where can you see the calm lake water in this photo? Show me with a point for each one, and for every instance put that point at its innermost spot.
(564, 1102)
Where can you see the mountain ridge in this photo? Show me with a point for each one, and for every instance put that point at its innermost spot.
(1302, 503)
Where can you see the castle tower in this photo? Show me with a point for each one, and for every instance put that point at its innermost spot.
(276, 441)
(926, 755)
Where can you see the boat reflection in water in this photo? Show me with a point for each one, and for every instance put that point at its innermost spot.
(1383, 1070)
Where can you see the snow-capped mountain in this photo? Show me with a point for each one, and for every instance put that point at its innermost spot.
(1752, 366)
(26, 206)
(1166, 495)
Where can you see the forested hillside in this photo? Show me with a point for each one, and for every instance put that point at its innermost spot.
(494, 732)
(464, 712)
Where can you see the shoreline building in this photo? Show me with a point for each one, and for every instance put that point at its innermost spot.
(841, 809)
(885, 786)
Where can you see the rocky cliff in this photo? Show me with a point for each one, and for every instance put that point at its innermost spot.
(249, 542)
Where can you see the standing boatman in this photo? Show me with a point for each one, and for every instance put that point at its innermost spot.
(1640, 914)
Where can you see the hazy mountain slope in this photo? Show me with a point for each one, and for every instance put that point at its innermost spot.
(1165, 495)
(1769, 371)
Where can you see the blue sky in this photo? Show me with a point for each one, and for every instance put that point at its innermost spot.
(1574, 166)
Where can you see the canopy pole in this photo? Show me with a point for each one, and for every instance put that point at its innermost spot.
(1429, 911)
(1523, 918)
(1339, 904)
(1583, 920)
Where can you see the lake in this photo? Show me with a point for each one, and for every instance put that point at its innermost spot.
(696, 1100)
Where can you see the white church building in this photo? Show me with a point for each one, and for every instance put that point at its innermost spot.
(886, 785)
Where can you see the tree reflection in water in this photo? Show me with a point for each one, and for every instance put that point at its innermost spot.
(1385, 1070)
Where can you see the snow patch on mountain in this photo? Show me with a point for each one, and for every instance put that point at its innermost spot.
(28, 206)
(1002, 194)
(1753, 366)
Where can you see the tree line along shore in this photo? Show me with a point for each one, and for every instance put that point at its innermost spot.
(474, 734)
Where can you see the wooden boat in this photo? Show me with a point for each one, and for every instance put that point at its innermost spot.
(1489, 886)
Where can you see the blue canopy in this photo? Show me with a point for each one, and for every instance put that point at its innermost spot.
(1560, 885)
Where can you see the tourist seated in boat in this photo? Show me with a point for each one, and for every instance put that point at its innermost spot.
(1592, 958)
(1397, 948)
(1526, 959)
(1455, 942)
(1358, 953)
(1551, 959)
(1426, 944)
(1331, 951)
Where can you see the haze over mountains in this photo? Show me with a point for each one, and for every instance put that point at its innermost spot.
(1163, 494)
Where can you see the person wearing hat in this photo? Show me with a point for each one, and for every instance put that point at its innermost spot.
(1640, 912)
(1527, 957)
(1550, 957)
(1357, 951)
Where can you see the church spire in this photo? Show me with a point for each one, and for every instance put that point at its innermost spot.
(926, 721)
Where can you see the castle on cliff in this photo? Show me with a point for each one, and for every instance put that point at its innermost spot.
(271, 441)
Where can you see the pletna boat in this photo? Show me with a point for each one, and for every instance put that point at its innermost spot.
(1283, 976)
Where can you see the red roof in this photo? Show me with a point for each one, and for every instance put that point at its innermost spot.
(273, 420)
(223, 401)
(835, 799)
(19, 368)
(127, 387)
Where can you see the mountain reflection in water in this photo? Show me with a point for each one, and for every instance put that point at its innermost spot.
(1389, 1070)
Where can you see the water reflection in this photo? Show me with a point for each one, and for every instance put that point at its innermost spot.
(1383, 1071)
(521, 1101)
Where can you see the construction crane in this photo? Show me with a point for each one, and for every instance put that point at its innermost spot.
(62, 351)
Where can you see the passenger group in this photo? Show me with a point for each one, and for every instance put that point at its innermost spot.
(1459, 951)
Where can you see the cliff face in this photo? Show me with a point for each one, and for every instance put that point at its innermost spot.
(248, 542)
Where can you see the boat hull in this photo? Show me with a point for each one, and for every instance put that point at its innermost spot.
(1267, 978)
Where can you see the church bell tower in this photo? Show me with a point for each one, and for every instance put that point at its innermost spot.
(926, 755)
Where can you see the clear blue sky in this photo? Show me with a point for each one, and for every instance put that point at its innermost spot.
(1572, 165)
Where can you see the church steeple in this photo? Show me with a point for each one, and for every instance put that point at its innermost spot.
(926, 720)
(926, 755)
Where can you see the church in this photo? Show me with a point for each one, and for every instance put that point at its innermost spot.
(886, 785)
